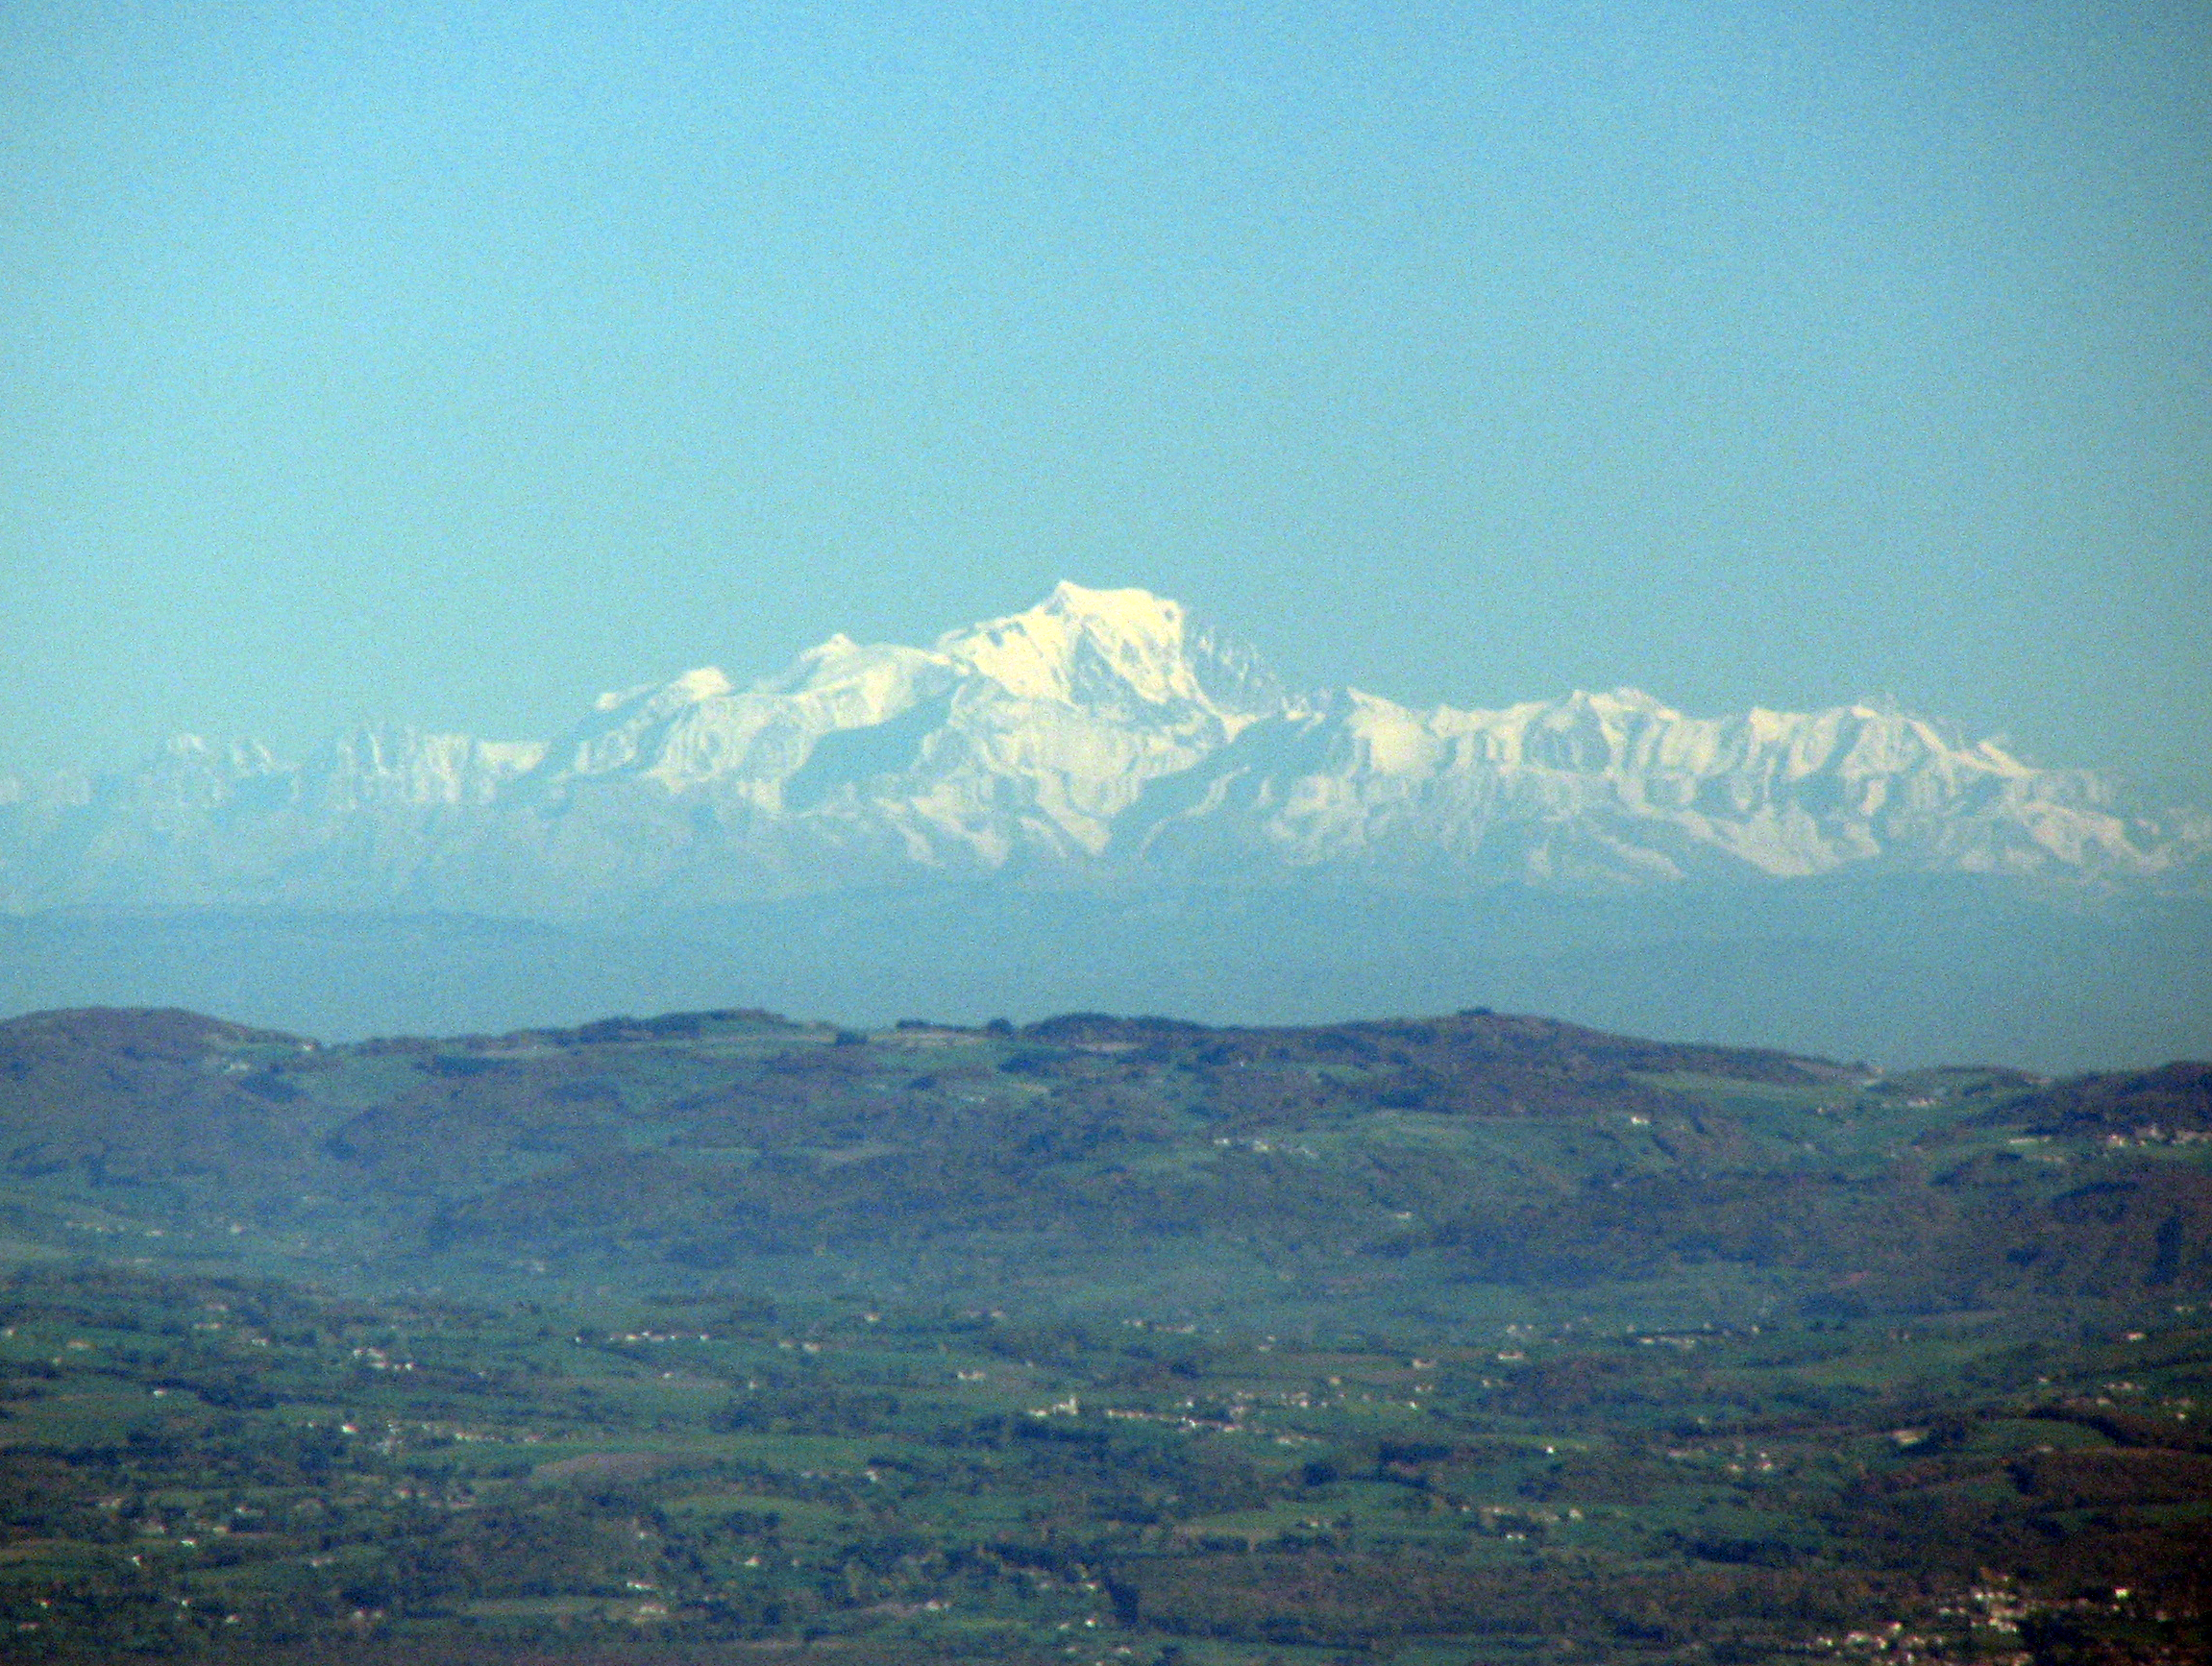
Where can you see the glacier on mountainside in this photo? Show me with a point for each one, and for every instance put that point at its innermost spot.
(1101, 736)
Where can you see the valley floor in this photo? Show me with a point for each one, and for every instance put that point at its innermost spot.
(219, 1468)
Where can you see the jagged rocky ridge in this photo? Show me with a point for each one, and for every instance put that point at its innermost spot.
(1098, 736)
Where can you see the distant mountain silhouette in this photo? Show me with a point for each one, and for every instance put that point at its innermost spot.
(1101, 737)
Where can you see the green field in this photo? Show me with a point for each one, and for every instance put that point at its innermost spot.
(240, 1470)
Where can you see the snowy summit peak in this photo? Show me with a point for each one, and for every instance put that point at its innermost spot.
(1036, 654)
(706, 682)
(1129, 609)
(1087, 647)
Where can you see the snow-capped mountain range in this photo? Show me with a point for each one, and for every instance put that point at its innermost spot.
(1100, 736)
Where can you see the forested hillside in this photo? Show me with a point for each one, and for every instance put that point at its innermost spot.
(1447, 1169)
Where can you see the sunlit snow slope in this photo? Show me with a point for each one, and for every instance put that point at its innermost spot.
(1101, 736)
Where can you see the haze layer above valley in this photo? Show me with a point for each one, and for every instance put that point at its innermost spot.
(1101, 737)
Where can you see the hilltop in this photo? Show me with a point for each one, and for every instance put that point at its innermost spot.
(1450, 1167)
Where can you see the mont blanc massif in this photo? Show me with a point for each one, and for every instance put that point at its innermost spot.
(1099, 800)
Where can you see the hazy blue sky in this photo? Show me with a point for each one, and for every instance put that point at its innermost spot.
(452, 362)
